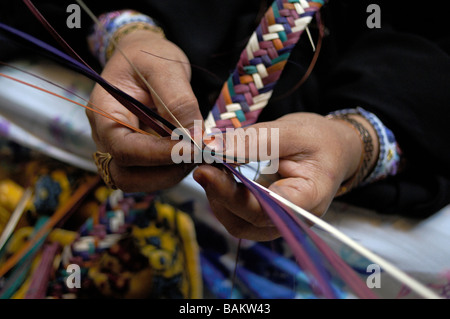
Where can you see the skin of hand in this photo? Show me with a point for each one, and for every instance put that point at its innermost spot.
(316, 156)
(143, 162)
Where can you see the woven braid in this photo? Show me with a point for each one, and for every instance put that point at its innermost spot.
(250, 86)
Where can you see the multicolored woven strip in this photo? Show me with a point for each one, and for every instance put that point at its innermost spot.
(250, 86)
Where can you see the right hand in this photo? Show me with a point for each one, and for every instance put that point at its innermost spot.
(143, 162)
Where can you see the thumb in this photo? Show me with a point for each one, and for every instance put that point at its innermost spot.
(313, 193)
(175, 101)
(259, 142)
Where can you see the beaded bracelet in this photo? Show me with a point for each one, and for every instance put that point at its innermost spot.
(389, 157)
(113, 26)
(390, 153)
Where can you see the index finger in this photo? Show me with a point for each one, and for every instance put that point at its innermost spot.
(128, 147)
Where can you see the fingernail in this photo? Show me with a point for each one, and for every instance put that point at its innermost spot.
(216, 145)
(212, 143)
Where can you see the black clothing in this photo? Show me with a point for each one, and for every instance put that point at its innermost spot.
(400, 72)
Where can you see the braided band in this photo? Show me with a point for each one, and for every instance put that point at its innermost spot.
(249, 87)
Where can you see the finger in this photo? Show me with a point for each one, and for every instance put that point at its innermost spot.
(259, 142)
(174, 99)
(307, 187)
(129, 148)
(119, 74)
(227, 195)
(147, 179)
(240, 228)
(231, 219)
(135, 149)
(170, 85)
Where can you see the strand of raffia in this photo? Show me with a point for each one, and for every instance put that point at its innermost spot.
(250, 86)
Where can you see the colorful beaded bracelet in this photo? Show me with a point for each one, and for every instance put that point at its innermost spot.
(389, 157)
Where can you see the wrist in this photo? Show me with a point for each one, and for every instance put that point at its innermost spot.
(134, 39)
(351, 146)
(361, 147)
(375, 142)
(131, 35)
(112, 27)
(382, 155)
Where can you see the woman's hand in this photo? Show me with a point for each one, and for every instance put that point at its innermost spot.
(143, 162)
(316, 156)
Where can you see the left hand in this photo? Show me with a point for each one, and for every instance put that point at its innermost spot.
(143, 162)
(316, 155)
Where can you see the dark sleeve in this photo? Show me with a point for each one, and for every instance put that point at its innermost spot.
(16, 14)
(401, 73)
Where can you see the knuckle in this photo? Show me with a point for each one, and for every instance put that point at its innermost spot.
(124, 183)
(120, 156)
(310, 187)
(116, 174)
(260, 221)
(120, 183)
(183, 105)
(237, 231)
(126, 187)
(90, 115)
